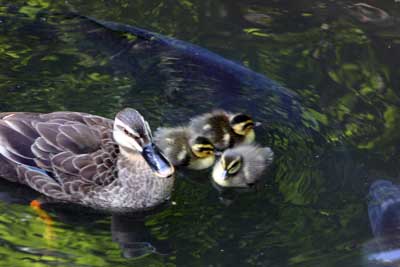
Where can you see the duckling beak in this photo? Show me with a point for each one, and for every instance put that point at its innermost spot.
(223, 175)
(257, 124)
(218, 153)
(157, 161)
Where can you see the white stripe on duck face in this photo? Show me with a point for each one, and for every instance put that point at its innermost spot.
(122, 138)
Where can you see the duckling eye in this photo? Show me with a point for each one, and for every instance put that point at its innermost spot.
(234, 168)
(206, 152)
(203, 150)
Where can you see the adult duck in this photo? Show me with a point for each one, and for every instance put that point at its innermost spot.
(86, 159)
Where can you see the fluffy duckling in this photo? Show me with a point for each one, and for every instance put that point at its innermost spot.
(224, 129)
(242, 166)
(183, 147)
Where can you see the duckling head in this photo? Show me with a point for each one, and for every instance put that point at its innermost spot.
(203, 151)
(243, 125)
(228, 171)
(133, 135)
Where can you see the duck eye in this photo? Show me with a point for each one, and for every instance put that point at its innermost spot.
(234, 168)
(131, 135)
(248, 125)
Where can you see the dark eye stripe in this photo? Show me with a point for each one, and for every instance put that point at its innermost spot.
(248, 125)
(233, 164)
(202, 149)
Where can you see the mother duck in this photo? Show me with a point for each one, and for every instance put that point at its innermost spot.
(86, 159)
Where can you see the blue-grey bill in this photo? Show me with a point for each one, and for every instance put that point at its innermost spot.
(157, 161)
(224, 175)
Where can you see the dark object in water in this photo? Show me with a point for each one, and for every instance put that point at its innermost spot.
(384, 208)
(190, 70)
(384, 217)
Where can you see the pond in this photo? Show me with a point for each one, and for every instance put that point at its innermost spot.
(327, 95)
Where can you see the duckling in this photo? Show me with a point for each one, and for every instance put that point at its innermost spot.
(242, 166)
(225, 129)
(183, 147)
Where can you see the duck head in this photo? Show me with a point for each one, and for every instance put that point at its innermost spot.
(243, 125)
(227, 171)
(204, 152)
(133, 134)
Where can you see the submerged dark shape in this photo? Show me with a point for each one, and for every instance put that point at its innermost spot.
(191, 73)
(384, 217)
(384, 208)
(201, 56)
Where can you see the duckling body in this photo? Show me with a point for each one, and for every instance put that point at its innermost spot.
(224, 129)
(242, 166)
(183, 147)
(86, 159)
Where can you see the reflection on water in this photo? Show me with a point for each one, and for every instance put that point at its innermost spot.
(134, 238)
(332, 137)
(39, 235)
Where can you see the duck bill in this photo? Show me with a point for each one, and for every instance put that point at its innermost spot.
(218, 153)
(223, 175)
(157, 161)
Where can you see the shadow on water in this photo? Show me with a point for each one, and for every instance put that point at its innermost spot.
(332, 135)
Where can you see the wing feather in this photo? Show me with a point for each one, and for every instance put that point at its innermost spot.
(60, 159)
(22, 127)
(45, 146)
(76, 147)
(48, 131)
(78, 138)
(88, 172)
(80, 161)
(39, 153)
(14, 143)
(98, 121)
(68, 166)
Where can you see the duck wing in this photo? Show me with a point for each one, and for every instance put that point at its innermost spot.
(65, 150)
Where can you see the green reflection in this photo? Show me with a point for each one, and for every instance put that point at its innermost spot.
(311, 212)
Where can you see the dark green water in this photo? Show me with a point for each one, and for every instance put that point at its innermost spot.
(341, 59)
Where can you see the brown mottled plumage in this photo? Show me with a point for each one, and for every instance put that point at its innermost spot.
(184, 147)
(86, 159)
(224, 129)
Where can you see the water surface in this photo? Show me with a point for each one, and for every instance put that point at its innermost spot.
(331, 141)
